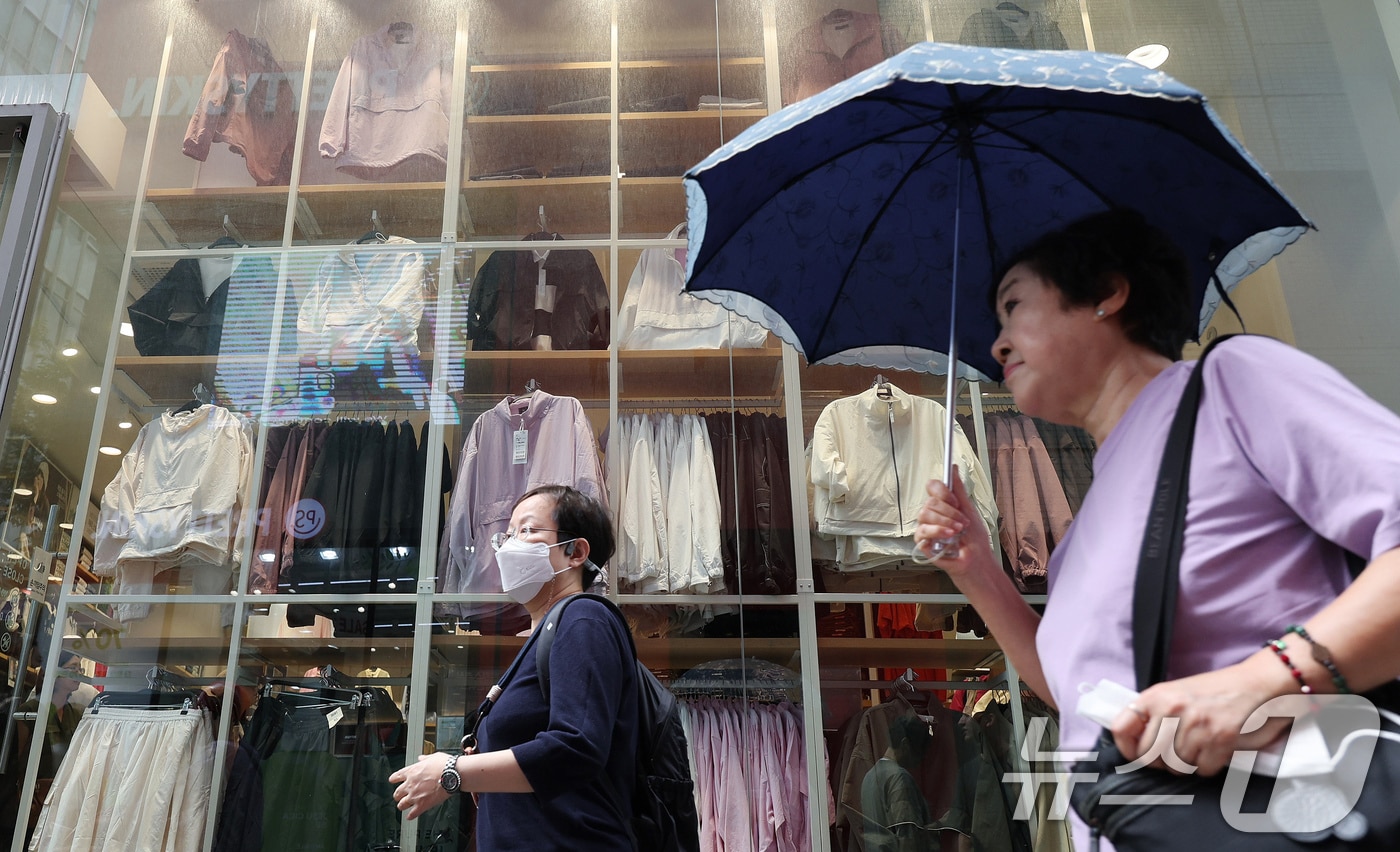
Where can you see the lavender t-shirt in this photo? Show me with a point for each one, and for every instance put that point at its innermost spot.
(1289, 457)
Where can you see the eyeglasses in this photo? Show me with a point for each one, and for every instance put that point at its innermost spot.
(499, 539)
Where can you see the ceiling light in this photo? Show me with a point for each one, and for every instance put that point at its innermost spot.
(95, 389)
(109, 451)
(267, 557)
(1150, 55)
(65, 526)
(21, 556)
(125, 424)
(24, 492)
(44, 399)
(127, 331)
(69, 352)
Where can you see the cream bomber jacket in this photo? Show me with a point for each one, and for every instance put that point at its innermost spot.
(872, 457)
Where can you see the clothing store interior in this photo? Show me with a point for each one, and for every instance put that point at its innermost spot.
(326, 285)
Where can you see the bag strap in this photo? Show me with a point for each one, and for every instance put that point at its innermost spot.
(474, 720)
(1159, 562)
(548, 630)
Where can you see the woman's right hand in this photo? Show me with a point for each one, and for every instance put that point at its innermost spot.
(947, 513)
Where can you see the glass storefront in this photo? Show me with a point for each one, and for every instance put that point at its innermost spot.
(309, 267)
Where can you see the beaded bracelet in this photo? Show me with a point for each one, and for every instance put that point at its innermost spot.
(1323, 657)
(1280, 650)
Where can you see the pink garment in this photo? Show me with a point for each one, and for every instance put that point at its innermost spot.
(248, 103)
(389, 106)
(833, 49)
(1054, 506)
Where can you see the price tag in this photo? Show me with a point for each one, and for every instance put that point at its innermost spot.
(333, 718)
(520, 443)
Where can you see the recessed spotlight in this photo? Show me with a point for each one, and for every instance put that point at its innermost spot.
(44, 398)
(127, 331)
(125, 424)
(24, 492)
(65, 526)
(362, 609)
(95, 389)
(69, 352)
(109, 451)
(1150, 55)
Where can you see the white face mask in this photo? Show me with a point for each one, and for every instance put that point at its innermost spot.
(525, 567)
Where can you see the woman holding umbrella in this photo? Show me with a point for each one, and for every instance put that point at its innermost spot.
(1293, 466)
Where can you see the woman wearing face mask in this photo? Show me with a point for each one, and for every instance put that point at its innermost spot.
(551, 774)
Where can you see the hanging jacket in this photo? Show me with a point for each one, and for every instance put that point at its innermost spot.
(560, 448)
(363, 303)
(505, 313)
(871, 459)
(389, 105)
(657, 313)
(178, 499)
(249, 103)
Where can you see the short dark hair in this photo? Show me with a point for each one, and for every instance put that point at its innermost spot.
(579, 515)
(1081, 259)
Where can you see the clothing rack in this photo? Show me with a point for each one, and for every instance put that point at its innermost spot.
(703, 404)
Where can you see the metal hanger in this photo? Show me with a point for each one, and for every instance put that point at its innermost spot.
(201, 397)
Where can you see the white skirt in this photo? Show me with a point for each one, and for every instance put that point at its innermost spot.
(133, 779)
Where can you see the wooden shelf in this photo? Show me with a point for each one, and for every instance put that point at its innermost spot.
(167, 379)
(577, 206)
(694, 115)
(699, 373)
(507, 67)
(698, 62)
(642, 374)
(562, 118)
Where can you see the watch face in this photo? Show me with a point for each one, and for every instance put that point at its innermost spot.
(451, 781)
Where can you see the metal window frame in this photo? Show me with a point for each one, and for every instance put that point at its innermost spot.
(21, 234)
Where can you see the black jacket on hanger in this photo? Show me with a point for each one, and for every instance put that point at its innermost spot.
(501, 313)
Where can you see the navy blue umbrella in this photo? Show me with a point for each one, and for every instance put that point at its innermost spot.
(862, 225)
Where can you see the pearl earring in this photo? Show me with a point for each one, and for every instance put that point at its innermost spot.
(1099, 313)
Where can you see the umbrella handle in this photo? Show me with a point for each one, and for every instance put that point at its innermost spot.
(943, 548)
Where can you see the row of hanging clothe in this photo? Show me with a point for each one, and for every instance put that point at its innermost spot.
(1037, 490)
(662, 485)
(922, 778)
(749, 762)
(311, 773)
(343, 514)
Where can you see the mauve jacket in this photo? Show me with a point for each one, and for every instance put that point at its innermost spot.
(388, 104)
(248, 103)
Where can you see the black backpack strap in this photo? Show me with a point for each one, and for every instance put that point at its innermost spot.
(1159, 563)
(549, 628)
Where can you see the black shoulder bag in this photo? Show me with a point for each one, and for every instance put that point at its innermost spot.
(1374, 824)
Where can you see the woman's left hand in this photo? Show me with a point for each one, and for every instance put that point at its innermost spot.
(1199, 718)
(419, 787)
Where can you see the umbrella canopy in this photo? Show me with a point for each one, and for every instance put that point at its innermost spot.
(832, 222)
